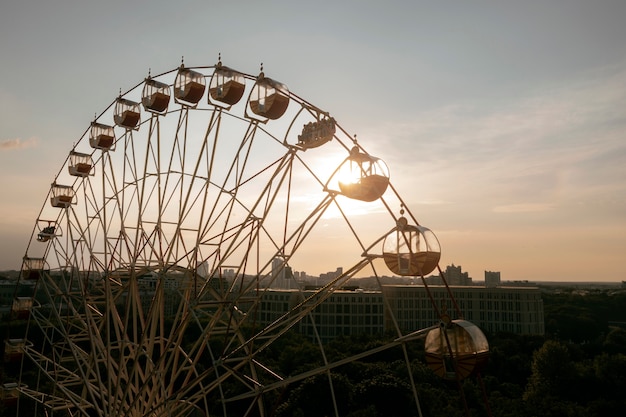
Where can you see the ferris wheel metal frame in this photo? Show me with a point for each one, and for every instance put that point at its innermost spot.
(168, 225)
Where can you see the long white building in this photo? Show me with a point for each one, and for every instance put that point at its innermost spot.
(511, 309)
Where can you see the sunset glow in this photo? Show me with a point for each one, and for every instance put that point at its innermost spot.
(501, 126)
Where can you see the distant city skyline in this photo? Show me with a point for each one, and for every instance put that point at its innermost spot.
(502, 123)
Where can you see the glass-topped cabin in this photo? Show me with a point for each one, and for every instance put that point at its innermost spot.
(20, 309)
(189, 87)
(62, 195)
(269, 98)
(101, 136)
(456, 349)
(317, 133)
(363, 177)
(227, 86)
(80, 164)
(127, 113)
(9, 393)
(32, 268)
(14, 349)
(155, 96)
(410, 250)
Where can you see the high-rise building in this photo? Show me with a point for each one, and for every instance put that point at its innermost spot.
(492, 279)
(455, 276)
(282, 275)
(277, 268)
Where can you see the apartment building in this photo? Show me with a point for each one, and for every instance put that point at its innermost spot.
(509, 309)
(348, 312)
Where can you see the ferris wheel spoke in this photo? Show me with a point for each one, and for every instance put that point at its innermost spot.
(73, 376)
(272, 332)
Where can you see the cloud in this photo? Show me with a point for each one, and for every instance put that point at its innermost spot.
(523, 208)
(16, 144)
(574, 110)
(558, 142)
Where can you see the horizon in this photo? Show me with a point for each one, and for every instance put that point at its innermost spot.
(474, 282)
(502, 125)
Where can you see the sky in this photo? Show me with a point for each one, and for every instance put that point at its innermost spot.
(503, 122)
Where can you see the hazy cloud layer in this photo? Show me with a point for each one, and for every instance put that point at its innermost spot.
(559, 143)
(16, 144)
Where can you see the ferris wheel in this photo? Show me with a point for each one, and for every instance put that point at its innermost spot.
(185, 204)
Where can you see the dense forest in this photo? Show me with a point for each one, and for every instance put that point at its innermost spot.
(578, 368)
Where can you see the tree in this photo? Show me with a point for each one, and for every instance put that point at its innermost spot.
(313, 397)
(552, 372)
(615, 341)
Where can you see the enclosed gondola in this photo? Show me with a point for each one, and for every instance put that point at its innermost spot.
(362, 176)
(317, 133)
(14, 349)
(155, 97)
(32, 268)
(227, 86)
(47, 232)
(127, 113)
(20, 309)
(410, 250)
(80, 164)
(456, 349)
(269, 98)
(101, 136)
(9, 393)
(62, 195)
(189, 87)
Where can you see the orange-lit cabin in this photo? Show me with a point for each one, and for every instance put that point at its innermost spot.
(14, 349)
(269, 98)
(20, 309)
(9, 393)
(227, 86)
(80, 164)
(155, 96)
(456, 349)
(189, 87)
(127, 113)
(363, 177)
(411, 250)
(101, 136)
(32, 268)
(62, 195)
(317, 133)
